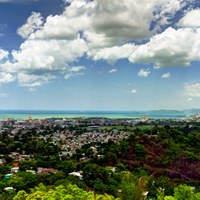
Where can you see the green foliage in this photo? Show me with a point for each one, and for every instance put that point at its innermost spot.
(153, 184)
(70, 192)
(183, 192)
(100, 186)
(22, 180)
(130, 190)
(73, 181)
(139, 150)
(92, 171)
(120, 167)
(105, 197)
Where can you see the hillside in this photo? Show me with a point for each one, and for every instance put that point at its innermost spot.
(175, 154)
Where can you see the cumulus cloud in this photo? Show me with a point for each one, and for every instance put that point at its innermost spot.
(112, 70)
(6, 77)
(5, 1)
(39, 57)
(166, 75)
(77, 68)
(33, 23)
(67, 76)
(170, 48)
(134, 91)
(38, 83)
(191, 19)
(66, 25)
(192, 90)
(32, 89)
(115, 22)
(112, 54)
(14, 1)
(102, 30)
(167, 11)
(3, 95)
(103, 23)
(3, 54)
(31, 80)
(144, 73)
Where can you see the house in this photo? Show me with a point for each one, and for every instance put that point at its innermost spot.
(101, 156)
(94, 149)
(7, 176)
(46, 171)
(9, 189)
(16, 164)
(31, 171)
(14, 170)
(77, 174)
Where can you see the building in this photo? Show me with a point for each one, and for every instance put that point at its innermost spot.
(144, 118)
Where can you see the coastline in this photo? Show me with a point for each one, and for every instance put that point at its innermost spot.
(88, 114)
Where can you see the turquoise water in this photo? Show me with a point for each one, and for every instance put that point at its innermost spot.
(41, 114)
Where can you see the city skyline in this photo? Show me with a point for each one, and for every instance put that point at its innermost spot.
(99, 55)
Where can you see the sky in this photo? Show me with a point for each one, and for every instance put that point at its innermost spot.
(119, 55)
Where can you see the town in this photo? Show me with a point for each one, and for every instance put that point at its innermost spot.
(56, 146)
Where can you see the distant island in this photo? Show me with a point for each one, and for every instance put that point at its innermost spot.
(193, 110)
(166, 111)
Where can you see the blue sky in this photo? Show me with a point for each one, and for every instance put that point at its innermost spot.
(100, 54)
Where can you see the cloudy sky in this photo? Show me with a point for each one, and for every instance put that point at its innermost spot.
(99, 54)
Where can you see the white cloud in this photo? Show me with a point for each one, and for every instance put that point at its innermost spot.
(78, 68)
(6, 77)
(191, 19)
(3, 95)
(34, 22)
(103, 23)
(170, 48)
(134, 91)
(32, 89)
(189, 99)
(67, 76)
(144, 73)
(75, 18)
(3, 54)
(38, 83)
(14, 1)
(5, 1)
(112, 54)
(112, 70)
(41, 56)
(166, 75)
(78, 74)
(192, 90)
(156, 66)
(32, 80)
(166, 12)
(100, 28)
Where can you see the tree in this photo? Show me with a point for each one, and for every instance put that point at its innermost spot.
(23, 180)
(70, 192)
(130, 190)
(183, 192)
(92, 171)
(105, 197)
(139, 150)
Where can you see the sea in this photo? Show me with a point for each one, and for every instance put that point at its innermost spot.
(44, 114)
